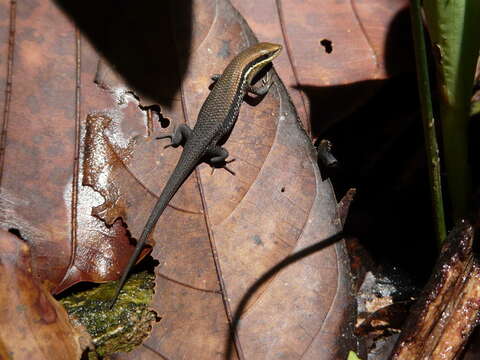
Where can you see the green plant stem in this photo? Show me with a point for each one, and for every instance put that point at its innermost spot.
(431, 145)
(453, 28)
(455, 150)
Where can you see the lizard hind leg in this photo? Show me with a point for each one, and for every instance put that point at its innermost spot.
(178, 137)
(217, 158)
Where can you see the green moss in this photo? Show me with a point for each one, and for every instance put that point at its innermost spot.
(124, 326)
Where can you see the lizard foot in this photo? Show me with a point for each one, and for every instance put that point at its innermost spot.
(224, 166)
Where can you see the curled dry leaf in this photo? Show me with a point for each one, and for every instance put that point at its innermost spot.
(33, 324)
(344, 204)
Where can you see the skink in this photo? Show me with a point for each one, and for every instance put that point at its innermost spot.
(215, 121)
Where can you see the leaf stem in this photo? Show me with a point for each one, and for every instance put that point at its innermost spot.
(431, 145)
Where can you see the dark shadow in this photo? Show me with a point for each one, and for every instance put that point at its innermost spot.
(474, 152)
(377, 137)
(399, 51)
(474, 159)
(146, 42)
(380, 151)
(266, 277)
(332, 104)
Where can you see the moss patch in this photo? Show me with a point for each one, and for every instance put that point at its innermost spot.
(126, 325)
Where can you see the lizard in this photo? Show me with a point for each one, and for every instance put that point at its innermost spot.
(215, 121)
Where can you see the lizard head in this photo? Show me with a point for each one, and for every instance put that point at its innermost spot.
(258, 56)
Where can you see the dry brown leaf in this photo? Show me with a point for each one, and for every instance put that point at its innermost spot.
(221, 234)
(33, 324)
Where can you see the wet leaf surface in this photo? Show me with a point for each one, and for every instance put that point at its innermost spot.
(41, 192)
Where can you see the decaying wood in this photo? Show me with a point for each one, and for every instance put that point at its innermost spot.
(447, 311)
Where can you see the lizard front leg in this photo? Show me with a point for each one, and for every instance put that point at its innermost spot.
(261, 90)
(178, 137)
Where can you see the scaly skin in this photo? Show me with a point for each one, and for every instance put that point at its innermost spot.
(215, 120)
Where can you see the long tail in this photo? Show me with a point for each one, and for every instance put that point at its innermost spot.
(179, 175)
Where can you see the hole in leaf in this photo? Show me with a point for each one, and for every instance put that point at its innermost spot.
(157, 114)
(17, 233)
(328, 45)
